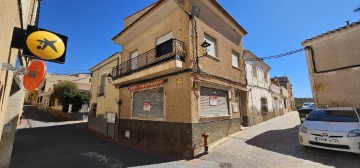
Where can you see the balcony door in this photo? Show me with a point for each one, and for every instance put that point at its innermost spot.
(164, 45)
(133, 61)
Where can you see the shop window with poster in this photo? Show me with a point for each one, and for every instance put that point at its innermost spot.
(148, 103)
(213, 102)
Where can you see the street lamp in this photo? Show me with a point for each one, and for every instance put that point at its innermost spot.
(109, 77)
(206, 47)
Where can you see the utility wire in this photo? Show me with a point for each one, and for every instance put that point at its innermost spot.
(276, 56)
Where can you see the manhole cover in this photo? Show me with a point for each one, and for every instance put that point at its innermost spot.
(102, 143)
(226, 165)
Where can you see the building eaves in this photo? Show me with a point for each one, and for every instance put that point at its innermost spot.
(229, 16)
(104, 60)
(156, 4)
(254, 56)
(138, 19)
(332, 32)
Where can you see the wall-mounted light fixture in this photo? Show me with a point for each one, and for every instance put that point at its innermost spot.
(206, 46)
(109, 77)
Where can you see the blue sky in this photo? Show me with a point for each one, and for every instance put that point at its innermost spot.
(274, 27)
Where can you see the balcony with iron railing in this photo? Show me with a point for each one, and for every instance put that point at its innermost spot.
(171, 51)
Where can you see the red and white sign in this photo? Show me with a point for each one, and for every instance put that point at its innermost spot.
(146, 85)
(213, 101)
(147, 106)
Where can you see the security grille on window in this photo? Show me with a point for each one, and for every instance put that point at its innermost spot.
(149, 103)
(235, 59)
(212, 42)
(264, 105)
(213, 102)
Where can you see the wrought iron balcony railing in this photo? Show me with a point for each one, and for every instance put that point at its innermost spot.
(171, 49)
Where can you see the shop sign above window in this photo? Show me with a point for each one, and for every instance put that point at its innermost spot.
(146, 85)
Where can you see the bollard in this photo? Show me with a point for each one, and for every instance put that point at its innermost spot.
(205, 136)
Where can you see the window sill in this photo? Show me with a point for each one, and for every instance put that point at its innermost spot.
(265, 113)
(212, 57)
(147, 118)
(236, 68)
(213, 118)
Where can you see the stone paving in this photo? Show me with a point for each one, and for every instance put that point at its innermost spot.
(270, 144)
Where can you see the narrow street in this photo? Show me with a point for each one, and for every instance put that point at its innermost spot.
(270, 144)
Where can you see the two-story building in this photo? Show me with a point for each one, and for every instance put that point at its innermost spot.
(171, 90)
(104, 96)
(334, 66)
(260, 106)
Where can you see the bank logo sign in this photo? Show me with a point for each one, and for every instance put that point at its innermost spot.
(44, 45)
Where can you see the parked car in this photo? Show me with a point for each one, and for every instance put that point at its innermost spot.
(308, 105)
(335, 128)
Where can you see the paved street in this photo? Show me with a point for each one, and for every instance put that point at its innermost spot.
(270, 144)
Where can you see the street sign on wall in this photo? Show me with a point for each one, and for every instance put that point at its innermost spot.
(318, 88)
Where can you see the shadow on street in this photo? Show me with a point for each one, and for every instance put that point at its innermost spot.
(31, 112)
(286, 142)
(74, 146)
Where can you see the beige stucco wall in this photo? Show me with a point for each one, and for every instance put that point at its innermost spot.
(337, 50)
(227, 41)
(106, 103)
(178, 22)
(10, 105)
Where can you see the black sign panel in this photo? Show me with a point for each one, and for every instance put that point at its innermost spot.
(45, 45)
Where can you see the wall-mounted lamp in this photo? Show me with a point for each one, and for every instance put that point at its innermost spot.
(206, 46)
(109, 77)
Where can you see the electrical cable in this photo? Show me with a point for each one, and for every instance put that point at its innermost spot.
(276, 56)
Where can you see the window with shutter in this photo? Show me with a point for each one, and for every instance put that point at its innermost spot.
(149, 103)
(235, 59)
(264, 104)
(213, 102)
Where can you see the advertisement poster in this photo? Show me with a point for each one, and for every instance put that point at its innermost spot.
(147, 106)
(213, 101)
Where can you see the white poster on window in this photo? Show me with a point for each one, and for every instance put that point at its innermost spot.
(213, 101)
(147, 106)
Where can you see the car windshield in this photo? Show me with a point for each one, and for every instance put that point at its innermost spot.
(333, 116)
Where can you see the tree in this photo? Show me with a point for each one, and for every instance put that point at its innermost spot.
(67, 93)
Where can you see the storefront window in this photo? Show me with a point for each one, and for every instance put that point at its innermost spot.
(148, 103)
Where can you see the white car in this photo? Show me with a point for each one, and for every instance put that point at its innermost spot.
(308, 105)
(335, 128)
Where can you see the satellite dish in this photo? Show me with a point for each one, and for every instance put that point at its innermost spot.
(35, 75)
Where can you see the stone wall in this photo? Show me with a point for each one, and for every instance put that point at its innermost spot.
(176, 139)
